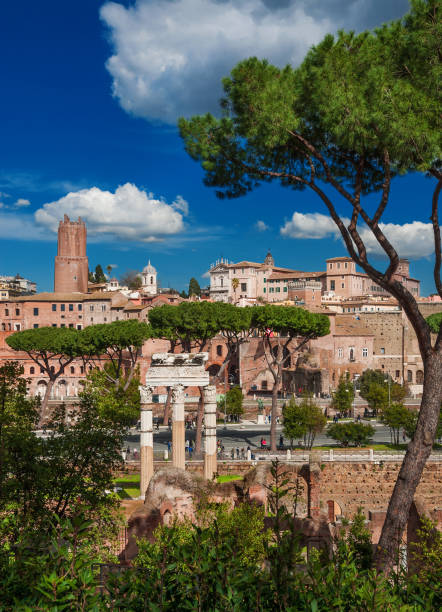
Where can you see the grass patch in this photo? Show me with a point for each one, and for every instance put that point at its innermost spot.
(128, 484)
(127, 478)
(228, 477)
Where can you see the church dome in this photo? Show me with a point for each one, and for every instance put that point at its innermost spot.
(149, 269)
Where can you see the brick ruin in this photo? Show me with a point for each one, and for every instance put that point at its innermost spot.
(328, 493)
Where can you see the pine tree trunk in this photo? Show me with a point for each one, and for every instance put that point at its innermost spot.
(44, 403)
(418, 451)
(167, 406)
(273, 417)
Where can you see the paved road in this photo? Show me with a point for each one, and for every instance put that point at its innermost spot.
(238, 436)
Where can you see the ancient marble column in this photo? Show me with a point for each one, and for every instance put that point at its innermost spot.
(178, 433)
(210, 467)
(146, 439)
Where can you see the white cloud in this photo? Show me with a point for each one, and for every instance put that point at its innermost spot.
(21, 202)
(169, 56)
(310, 225)
(412, 240)
(261, 226)
(181, 205)
(127, 214)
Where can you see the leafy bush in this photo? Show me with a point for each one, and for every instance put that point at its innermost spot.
(347, 434)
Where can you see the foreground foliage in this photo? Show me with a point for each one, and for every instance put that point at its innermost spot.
(225, 560)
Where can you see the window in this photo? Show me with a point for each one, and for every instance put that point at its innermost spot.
(63, 325)
(219, 350)
(264, 385)
(81, 370)
(32, 370)
(339, 265)
(397, 374)
(264, 290)
(382, 351)
(285, 288)
(79, 326)
(72, 370)
(71, 325)
(7, 312)
(340, 352)
(330, 266)
(54, 324)
(222, 281)
(42, 371)
(265, 280)
(80, 307)
(409, 376)
(54, 307)
(103, 307)
(35, 312)
(35, 325)
(278, 289)
(17, 312)
(91, 308)
(244, 287)
(332, 285)
(365, 352)
(62, 307)
(71, 307)
(17, 327)
(345, 264)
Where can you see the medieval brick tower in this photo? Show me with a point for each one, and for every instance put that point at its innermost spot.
(71, 263)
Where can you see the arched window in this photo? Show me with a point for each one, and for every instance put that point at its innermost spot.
(32, 370)
(151, 280)
(219, 350)
(409, 376)
(72, 370)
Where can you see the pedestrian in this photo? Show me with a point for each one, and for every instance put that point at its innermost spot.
(232, 453)
(128, 450)
(281, 442)
(404, 437)
(237, 453)
(264, 443)
(261, 443)
(135, 454)
(169, 445)
(187, 446)
(243, 453)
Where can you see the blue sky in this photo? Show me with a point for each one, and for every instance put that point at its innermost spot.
(90, 95)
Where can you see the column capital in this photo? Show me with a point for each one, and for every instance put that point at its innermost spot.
(209, 394)
(146, 393)
(178, 394)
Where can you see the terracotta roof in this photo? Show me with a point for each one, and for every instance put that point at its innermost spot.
(136, 307)
(245, 264)
(343, 258)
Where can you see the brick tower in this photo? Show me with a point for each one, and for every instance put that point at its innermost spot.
(71, 263)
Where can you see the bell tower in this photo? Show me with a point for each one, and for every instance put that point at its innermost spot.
(71, 262)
